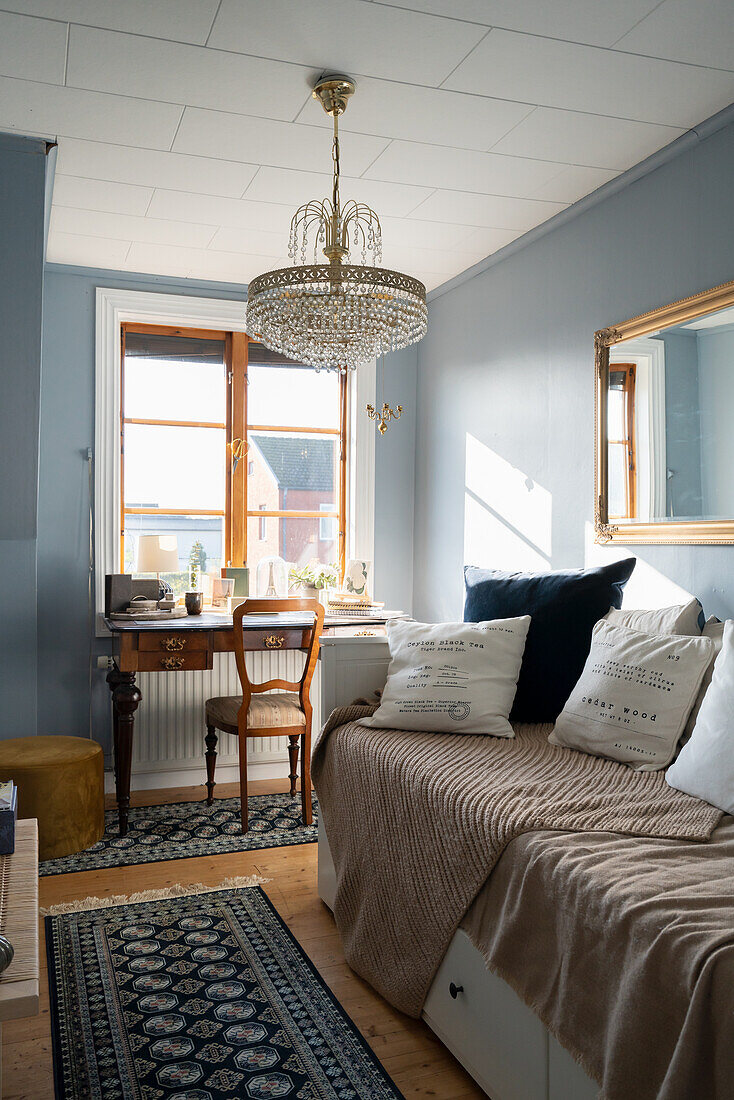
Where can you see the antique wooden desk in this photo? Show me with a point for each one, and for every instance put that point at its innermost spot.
(189, 645)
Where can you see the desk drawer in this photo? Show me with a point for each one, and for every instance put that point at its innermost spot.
(175, 642)
(274, 638)
(194, 661)
(369, 630)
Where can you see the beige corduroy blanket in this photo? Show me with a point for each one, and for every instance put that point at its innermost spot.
(624, 946)
(416, 822)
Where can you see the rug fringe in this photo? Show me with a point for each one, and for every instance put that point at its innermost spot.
(177, 891)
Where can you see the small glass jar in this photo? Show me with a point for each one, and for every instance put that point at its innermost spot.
(272, 578)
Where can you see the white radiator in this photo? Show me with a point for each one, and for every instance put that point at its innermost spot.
(169, 723)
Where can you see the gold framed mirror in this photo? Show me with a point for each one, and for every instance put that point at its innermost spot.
(664, 424)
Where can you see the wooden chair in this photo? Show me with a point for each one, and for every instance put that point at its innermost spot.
(287, 711)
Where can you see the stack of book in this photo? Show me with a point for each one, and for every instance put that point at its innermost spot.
(345, 603)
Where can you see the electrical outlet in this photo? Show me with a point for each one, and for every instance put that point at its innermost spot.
(106, 663)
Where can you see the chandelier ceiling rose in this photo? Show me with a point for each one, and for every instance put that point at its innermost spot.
(335, 315)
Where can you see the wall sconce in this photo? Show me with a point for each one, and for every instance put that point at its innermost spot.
(385, 415)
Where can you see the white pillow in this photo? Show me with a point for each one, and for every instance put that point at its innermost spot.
(705, 766)
(714, 629)
(634, 696)
(452, 677)
(681, 619)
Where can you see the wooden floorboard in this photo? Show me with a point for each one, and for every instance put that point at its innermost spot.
(418, 1063)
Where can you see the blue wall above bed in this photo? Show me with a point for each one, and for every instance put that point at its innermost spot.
(505, 383)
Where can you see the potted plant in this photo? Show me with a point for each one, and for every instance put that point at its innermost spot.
(194, 598)
(313, 579)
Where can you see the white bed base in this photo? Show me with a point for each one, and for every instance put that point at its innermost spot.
(488, 1029)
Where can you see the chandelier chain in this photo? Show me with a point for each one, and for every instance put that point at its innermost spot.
(335, 159)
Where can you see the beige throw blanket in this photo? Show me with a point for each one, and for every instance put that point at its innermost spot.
(624, 946)
(416, 822)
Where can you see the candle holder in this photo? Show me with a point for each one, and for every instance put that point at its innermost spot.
(384, 416)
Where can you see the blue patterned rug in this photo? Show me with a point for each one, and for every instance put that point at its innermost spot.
(206, 997)
(182, 830)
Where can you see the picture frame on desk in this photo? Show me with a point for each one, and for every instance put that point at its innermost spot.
(357, 577)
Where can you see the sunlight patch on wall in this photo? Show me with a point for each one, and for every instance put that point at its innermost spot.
(507, 515)
(647, 587)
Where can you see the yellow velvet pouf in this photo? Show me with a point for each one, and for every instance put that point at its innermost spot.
(60, 782)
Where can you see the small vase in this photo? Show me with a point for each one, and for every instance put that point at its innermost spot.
(194, 602)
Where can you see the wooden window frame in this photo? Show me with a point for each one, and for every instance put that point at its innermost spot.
(236, 426)
(629, 370)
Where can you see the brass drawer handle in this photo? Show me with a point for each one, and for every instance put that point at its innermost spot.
(274, 641)
(172, 663)
(173, 644)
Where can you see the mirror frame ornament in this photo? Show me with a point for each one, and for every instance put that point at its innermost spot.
(665, 532)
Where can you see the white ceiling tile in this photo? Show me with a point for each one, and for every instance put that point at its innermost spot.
(96, 223)
(592, 140)
(35, 46)
(573, 182)
(413, 233)
(270, 217)
(119, 198)
(433, 115)
(701, 33)
(430, 279)
(294, 188)
(182, 20)
(264, 141)
(49, 109)
(229, 239)
(153, 167)
(486, 240)
(526, 124)
(346, 36)
(128, 64)
(583, 78)
(79, 251)
(491, 210)
(461, 169)
(197, 263)
(439, 261)
(576, 20)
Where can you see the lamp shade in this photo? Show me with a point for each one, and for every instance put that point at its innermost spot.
(157, 554)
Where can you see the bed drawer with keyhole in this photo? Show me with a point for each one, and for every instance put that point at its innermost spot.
(466, 1005)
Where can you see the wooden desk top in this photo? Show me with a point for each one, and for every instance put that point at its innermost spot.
(210, 620)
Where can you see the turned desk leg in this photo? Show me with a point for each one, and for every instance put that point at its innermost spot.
(293, 740)
(125, 700)
(211, 762)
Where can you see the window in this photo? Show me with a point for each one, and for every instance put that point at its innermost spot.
(621, 441)
(327, 527)
(237, 450)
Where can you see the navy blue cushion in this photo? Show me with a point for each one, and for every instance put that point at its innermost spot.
(564, 605)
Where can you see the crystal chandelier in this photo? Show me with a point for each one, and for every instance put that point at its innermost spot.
(335, 315)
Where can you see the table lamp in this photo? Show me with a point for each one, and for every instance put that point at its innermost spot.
(158, 554)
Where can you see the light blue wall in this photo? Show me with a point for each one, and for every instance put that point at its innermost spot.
(63, 536)
(394, 481)
(22, 187)
(506, 372)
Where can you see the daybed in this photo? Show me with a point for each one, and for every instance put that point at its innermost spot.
(622, 944)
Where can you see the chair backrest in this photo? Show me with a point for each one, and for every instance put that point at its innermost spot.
(270, 607)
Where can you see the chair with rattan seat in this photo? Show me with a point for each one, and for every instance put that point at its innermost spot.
(276, 708)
